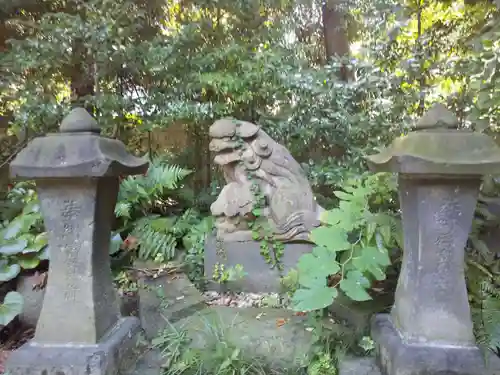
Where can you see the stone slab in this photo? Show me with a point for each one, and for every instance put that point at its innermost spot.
(33, 301)
(395, 357)
(115, 354)
(260, 277)
(359, 366)
(166, 298)
(257, 332)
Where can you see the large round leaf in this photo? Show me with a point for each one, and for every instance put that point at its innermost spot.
(13, 229)
(37, 244)
(20, 224)
(13, 247)
(9, 271)
(28, 261)
(12, 306)
(44, 253)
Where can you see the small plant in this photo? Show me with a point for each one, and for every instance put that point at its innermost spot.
(330, 343)
(351, 246)
(11, 307)
(222, 275)
(148, 211)
(484, 296)
(124, 283)
(290, 282)
(218, 355)
(194, 243)
(23, 242)
(367, 344)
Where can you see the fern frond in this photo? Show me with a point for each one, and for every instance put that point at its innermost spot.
(123, 209)
(165, 176)
(156, 242)
(486, 312)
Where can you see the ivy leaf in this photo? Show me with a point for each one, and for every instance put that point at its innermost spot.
(315, 267)
(313, 299)
(350, 214)
(370, 230)
(373, 260)
(354, 286)
(342, 195)
(334, 239)
(11, 307)
(332, 217)
(313, 270)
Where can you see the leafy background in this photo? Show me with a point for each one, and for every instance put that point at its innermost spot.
(332, 80)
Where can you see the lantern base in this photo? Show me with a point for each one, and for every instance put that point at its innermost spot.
(115, 354)
(395, 357)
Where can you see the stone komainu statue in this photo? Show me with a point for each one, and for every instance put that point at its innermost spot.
(249, 156)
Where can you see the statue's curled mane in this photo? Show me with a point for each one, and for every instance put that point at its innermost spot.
(249, 156)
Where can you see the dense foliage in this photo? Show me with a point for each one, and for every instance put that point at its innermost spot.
(146, 69)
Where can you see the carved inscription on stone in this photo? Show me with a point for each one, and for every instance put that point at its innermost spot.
(444, 230)
(70, 217)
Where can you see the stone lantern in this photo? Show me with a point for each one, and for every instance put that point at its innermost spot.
(80, 329)
(429, 330)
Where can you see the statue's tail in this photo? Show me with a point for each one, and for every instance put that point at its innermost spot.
(297, 226)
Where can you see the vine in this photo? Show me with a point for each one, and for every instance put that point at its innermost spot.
(271, 248)
(222, 275)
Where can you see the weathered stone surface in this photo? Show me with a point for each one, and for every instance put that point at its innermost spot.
(77, 183)
(439, 151)
(33, 301)
(430, 329)
(257, 332)
(78, 214)
(242, 150)
(79, 154)
(398, 357)
(166, 298)
(437, 116)
(260, 277)
(116, 353)
(431, 303)
(359, 366)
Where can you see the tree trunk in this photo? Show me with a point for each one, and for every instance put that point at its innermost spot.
(335, 33)
(82, 77)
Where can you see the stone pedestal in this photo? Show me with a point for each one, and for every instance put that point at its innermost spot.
(431, 303)
(429, 330)
(430, 325)
(260, 278)
(80, 329)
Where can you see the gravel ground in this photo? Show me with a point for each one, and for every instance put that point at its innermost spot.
(243, 299)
